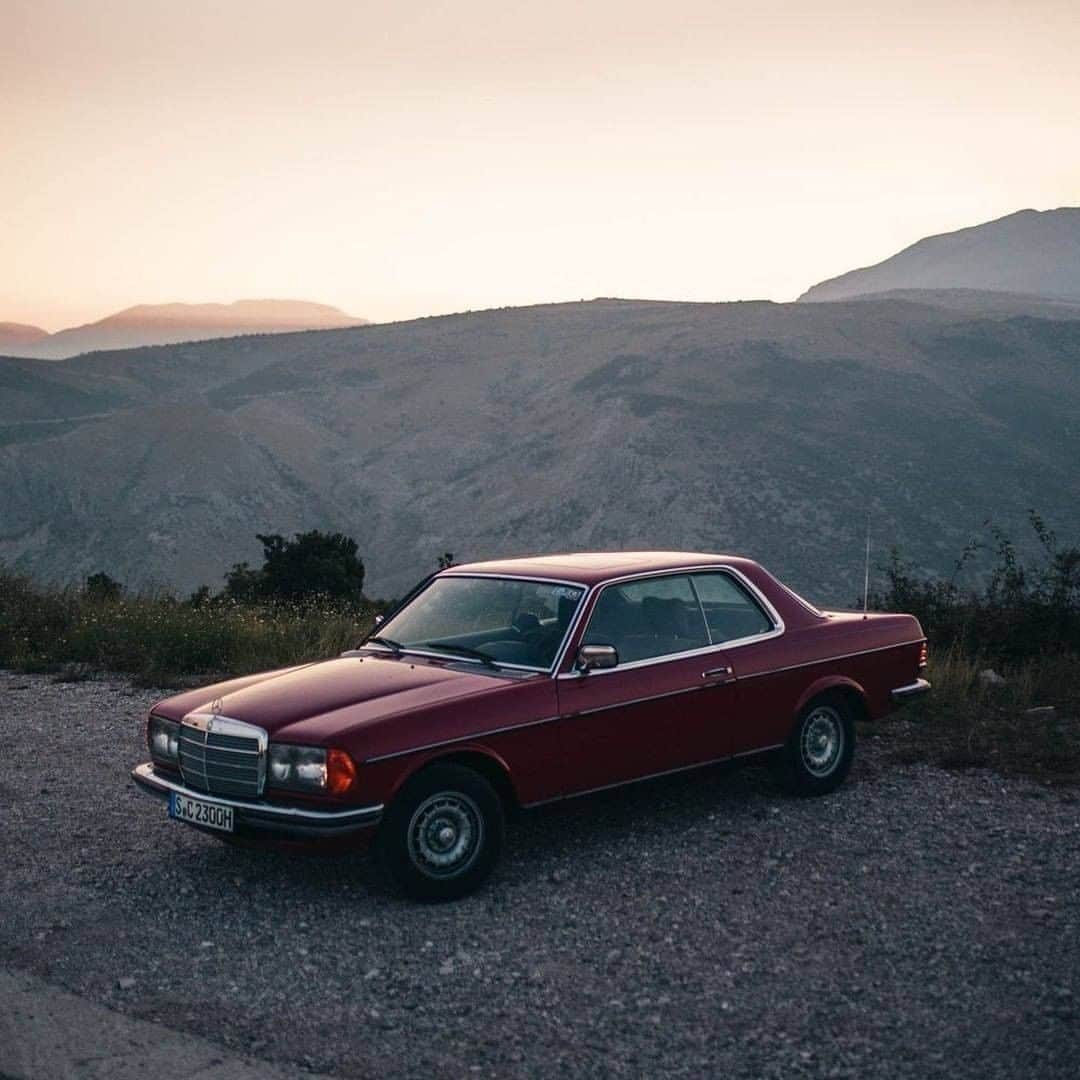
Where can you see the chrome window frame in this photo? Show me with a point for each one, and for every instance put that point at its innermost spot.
(719, 568)
(550, 670)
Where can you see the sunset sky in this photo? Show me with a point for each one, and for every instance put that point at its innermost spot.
(404, 159)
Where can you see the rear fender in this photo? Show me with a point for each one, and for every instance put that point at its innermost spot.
(855, 693)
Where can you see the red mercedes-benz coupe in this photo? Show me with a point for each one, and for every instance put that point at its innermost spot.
(512, 683)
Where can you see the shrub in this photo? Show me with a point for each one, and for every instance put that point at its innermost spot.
(1022, 611)
(312, 564)
(1024, 621)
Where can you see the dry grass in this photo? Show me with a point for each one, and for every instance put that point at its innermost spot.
(968, 723)
(161, 641)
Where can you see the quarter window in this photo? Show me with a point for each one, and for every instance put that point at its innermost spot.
(643, 619)
(730, 611)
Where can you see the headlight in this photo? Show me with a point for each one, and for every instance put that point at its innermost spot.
(163, 738)
(310, 768)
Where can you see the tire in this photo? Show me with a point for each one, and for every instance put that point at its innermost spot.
(443, 834)
(818, 754)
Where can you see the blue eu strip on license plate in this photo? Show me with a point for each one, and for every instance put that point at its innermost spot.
(206, 815)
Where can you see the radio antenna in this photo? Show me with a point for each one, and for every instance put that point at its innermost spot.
(866, 570)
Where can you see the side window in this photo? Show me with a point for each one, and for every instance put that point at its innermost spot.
(643, 619)
(729, 609)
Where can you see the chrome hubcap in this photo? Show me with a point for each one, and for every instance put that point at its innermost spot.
(445, 834)
(822, 741)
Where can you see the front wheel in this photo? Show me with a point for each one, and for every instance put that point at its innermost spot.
(442, 836)
(818, 755)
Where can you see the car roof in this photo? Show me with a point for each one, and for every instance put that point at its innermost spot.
(594, 567)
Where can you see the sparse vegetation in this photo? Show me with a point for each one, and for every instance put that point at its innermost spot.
(1023, 626)
(1024, 610)
(159, 639)
(1028, 725)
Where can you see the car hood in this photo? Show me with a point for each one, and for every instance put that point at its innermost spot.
(320, 701)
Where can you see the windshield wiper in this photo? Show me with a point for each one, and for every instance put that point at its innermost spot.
(394, 646)
(463, 650)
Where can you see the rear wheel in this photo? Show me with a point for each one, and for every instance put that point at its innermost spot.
(442, 836)
(819, 752)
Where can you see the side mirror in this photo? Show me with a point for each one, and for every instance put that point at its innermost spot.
(590, 657)
(379, 619)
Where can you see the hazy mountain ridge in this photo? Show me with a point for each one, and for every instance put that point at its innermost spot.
(167, 324)
(15, 334)
(757, 427)
(1030, 252)
(982, 303)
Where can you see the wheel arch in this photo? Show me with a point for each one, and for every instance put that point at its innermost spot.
(835, 686)
(480, 759)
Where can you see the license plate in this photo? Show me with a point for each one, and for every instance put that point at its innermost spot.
(204, 814)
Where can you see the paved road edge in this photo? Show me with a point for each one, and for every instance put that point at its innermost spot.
(50, 1034)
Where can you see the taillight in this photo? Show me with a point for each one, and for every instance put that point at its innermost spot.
(924, 655)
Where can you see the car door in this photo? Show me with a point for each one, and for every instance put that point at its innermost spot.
(742, 621)
(663, 706)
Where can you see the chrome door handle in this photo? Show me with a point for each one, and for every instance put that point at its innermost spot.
(715, 672)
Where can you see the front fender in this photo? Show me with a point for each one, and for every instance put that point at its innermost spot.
(388, 776)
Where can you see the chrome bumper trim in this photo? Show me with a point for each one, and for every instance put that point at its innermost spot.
(912, 690)
(293, 820)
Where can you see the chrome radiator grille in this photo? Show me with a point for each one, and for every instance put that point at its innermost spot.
(222, 756)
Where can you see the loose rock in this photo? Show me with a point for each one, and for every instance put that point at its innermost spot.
(915, 923)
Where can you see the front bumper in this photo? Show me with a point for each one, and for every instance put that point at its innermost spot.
(257, 815)
(908, 693)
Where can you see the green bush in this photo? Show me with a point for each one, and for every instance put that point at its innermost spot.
(311, 565)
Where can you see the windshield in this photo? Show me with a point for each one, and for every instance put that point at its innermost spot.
(501, 620)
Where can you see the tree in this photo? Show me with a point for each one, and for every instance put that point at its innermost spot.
(312, 563)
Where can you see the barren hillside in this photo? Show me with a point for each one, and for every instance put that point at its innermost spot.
(762, 428)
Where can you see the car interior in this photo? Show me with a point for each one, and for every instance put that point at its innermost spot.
(641, 619)
(531, 640)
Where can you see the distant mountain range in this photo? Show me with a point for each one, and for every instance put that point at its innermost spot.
(769, 429)
(1030, 252)
(15, 334)
(167, 324)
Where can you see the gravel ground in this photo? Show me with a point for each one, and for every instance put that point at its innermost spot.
(915, 923)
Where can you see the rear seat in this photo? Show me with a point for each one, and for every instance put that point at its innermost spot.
(653, 627)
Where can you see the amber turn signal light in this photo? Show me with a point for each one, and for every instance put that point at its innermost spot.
(340, 772)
